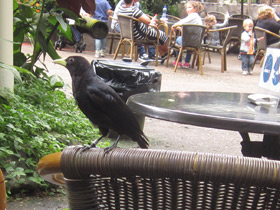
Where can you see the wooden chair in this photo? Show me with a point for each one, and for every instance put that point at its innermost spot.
(235, 39)
(220, 16)
(262, 45)
(241, 16)
(164, 179)
(3, 203)
(192, 35)
(225, 36)
(126, 31)
(112, 35)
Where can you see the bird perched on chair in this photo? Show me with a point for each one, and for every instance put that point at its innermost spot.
(101, 104)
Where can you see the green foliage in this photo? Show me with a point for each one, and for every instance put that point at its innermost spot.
(38, 21)
(152, 7)
(37, 121)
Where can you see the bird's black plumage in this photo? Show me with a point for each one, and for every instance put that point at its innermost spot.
(100, 103)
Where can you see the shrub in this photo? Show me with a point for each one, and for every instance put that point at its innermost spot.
(37, 121)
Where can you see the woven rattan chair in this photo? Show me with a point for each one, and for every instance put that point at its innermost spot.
(235, 39)
(225, 36)
(112, 35)
(192, 35)
(126, 31)
(262, 45)
(241, 16)
(164, 180)
(220, 16)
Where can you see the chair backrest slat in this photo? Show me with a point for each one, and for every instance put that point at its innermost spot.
(260, 32)
(126, 26)
(192, 35)
(239, 23)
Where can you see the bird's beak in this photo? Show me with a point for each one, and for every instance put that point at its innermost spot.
(61, 61)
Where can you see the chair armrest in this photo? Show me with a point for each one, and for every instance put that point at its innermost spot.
(273, 34)
(223, 29)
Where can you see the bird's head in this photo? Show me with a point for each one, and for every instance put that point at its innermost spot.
(75, 64)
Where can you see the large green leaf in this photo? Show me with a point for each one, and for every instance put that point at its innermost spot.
(66, 33)
(68, 13)
(42, 42)
(52, 52)
(13, 70)
(15, 4)
(61, 21)
(56, 81)
(26, 10)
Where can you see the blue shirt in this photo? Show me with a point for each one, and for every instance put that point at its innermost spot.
(102, 6)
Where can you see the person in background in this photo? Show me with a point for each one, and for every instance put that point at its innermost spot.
(102, 12)
(248, 47)
(269, 20)
(211, 23)
(115, 27)
(142, 31)
(192, 8)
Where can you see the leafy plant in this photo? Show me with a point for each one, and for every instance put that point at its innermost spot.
(37, 121)
(38, 21)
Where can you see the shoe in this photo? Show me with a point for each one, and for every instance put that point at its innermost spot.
(250, 71)
(179, 64)
(102, 53)
(186, 65)
(244, 73)
(97, 53)
(144, 57)
(163, 58)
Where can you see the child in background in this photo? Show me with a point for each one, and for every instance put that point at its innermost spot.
(192, 9)
(248, 47)
(211, 22)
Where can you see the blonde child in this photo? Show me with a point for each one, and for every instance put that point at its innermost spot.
(211, 22)
(247, 47)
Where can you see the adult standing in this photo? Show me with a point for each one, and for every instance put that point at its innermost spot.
(102, 11)
(192, 9)
(269, 20)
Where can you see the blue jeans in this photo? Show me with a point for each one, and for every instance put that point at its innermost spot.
(247, 62)
(151, 51)
(188, 55)
(100, 44)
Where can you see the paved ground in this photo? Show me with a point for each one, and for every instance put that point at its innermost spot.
(168, 135)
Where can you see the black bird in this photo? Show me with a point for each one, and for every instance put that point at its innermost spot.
(101, 104)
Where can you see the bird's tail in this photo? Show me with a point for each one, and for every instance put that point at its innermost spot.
(143, 141)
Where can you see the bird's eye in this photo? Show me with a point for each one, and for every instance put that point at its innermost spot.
(71, 60)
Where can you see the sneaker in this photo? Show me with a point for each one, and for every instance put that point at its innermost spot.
(144, 57)
(102, 53)
(163, 58)
(250, 71)
(97, 53)
(244, 73)
(186, 65)
(179, 64)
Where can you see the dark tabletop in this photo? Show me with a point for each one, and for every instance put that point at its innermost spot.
(222, 110)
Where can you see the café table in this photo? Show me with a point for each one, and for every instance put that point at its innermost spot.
(220, 110)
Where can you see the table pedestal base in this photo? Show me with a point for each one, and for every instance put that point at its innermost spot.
(269, 147)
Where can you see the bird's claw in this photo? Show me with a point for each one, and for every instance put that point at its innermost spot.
(87, 147)
(109, 149)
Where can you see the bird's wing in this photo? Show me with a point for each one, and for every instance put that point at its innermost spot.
(109, 103)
